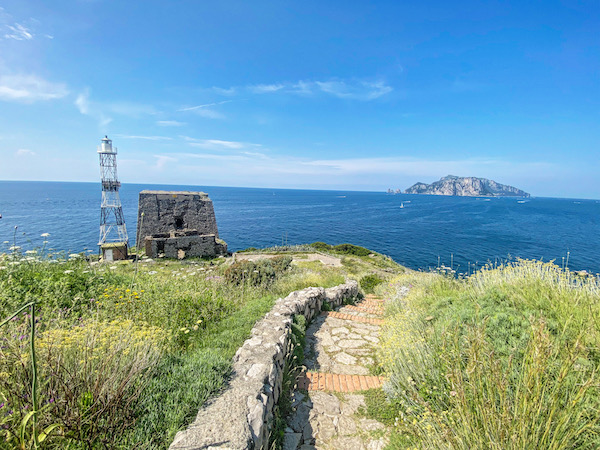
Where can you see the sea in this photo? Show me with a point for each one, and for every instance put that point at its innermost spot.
(418, 231)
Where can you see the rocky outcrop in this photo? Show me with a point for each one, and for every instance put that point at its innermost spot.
(467, 187)
(241, 417)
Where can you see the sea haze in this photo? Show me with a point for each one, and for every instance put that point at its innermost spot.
(415, 230)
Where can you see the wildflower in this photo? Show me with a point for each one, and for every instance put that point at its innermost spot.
(112, 267)
(68, 271)
(453, 393)
(186, 331)
(199, 321)
(74, 255)
(45, 234)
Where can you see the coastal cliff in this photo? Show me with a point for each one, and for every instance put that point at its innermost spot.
(466, 187)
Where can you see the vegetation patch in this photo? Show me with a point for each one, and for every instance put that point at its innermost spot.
(258, 273)
(368, 283)
(292, 368)
(506, 358)
(127, 353)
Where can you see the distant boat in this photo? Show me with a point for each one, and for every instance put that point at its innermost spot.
(521, 201)
(402, 205)
(341, 196)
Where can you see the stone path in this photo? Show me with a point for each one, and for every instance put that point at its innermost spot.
(326, 260)
(338, 354)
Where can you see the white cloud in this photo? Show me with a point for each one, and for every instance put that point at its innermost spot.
(257, 169)
(256, 155)
(162, 160)
(146, 138)
(85, 107)
(217, 144)
(210, 114)
(357, 91)
(29, 88)
(266, 88)
(129, 109)
(83, 102)
(213, 156)
(207, 105)
(170, 123)
(204, 111)
(25, 152)
(18, 32)
(226, 92)
(348, 89)
(102, 111)
(103, 120)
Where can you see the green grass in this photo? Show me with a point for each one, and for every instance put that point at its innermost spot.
(182, 383)
(506, 359)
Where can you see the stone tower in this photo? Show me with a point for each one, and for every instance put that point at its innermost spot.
(178, 224)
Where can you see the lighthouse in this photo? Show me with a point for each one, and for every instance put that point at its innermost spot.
(113, 232)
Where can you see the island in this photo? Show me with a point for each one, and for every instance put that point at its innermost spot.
(466, 187)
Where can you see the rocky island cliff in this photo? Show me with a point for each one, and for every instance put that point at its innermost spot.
(466, 187)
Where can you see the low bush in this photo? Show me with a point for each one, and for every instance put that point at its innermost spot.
(369, 282)
(257, 273)
(321, 246)
(349, 249)
(91, 373)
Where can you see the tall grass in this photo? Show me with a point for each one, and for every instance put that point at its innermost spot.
(506, 359)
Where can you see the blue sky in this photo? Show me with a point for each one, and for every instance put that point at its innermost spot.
(311, 94)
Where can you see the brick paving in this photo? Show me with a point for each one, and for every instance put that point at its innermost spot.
(333, 382)
(344, 316)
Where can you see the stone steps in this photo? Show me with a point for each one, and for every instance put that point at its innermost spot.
(374, 310)
(340, 349)
(353, 317)
(319, 381)
(367, 311)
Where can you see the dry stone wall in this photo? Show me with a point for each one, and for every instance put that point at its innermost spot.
(241, 417)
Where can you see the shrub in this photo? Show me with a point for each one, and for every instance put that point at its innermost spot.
(321, 246)
(349, 249)
(257, 273)
(369, 282)
(92, 374)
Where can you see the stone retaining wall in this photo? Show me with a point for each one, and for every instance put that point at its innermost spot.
(241, 417)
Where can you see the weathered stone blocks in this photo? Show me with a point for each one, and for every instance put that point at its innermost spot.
(178, 224)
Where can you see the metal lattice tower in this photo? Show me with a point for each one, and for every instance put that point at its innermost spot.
(112, 222)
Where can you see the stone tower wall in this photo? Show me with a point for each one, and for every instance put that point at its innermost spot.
(166, 211)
